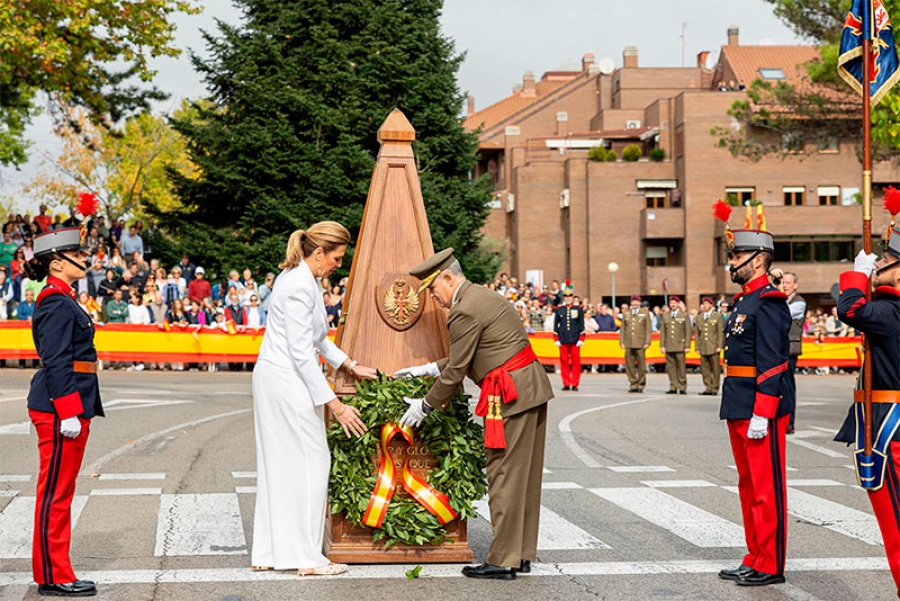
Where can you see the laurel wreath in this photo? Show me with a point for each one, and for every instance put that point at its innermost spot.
(453, 438)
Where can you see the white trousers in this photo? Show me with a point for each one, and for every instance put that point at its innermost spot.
(292, 463)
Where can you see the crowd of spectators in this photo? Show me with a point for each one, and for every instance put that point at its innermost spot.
(126, 284)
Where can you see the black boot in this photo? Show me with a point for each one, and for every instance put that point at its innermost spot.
(487, 570)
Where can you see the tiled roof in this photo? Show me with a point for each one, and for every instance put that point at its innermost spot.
(496, 113)
(746, 61)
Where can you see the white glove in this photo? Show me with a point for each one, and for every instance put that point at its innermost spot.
(864, 263)
(429, 369)
(580, 343)
(558, 343)
(70, 427)
(759, 427)
(415, 414)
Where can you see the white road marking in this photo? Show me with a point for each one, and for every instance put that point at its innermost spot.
(135, 391)
(124, 492)
(15, 478)
(556, 532)
(17, 429)
(559, 485)
(136, 476)
(99, 463)
(682, 519)
(639, 469)
(546, 471)
(200, 524)
(8, 493)
(677, 483)
(817, 448)
(814, 482)
(834, 516)
(243, 474)
(17, 525)
(245, 490)
(568, 438)
(398, 571)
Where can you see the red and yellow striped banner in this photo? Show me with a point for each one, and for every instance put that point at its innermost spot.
(437, 503)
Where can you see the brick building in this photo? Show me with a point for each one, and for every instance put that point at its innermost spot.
(557, 211)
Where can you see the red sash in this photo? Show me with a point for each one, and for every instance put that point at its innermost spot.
(498, 386)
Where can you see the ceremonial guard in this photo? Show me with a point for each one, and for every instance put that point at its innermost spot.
(488, 343)
(63, 398)
(674, 342)
(568, 335)
(879, 320)
(635, 336)
(709, 337)
(756, 401)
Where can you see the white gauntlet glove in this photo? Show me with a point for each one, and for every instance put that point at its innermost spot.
(415, 415)
(759, 427)
(429, 369)
(70, 427)
(864, 263)
(580, 343)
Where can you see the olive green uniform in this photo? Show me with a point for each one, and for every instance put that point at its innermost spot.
(709, 337)
(634, 335)
(675, 336)
(485, 333)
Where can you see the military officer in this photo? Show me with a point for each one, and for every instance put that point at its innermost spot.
(879, 320)
(63, 398)
(756, 404)
(568, 335)
(634, 337)
(709, 337)
(674, 341)
(488, 343)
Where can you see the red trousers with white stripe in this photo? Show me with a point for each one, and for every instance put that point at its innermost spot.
(570, 364)
(60, 462)
(886, 505)
(763, 492)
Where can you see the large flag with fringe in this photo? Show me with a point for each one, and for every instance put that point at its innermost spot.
(868, 19)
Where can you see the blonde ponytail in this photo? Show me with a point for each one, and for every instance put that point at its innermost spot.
(327, 235)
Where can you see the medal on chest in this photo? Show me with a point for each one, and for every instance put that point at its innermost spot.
(738, 326)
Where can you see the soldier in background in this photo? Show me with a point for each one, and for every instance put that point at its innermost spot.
(634, 337)
(674, 342)
(568, 334)
(709, 336)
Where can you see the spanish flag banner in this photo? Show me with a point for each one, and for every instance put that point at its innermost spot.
(231, 327)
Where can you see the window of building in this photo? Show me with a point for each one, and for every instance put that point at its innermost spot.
(828, 144)
(656, 199)
(656, 256)
(739, 196)
(791, 142)
(771, 73)
(805, 250)
(829, 195)
(793, 195)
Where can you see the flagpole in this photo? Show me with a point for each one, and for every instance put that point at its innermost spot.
(867, 205)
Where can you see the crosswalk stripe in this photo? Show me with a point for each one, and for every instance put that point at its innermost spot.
(145, 476)
(200, 524)
(244, 490)
(398, 571)
(17, 525)
(640, 469)
(834, 516)
(559, 485)
(814, 482)
(677, 483)
(817, 448)
(124, 492)
(15, 478)
(8, 493)
(243, 474)
(556, 533)
(682, 519)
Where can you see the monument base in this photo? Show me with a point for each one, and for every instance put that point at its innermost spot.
(350, 543)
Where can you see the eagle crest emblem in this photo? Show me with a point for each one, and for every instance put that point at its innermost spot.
(399, 302)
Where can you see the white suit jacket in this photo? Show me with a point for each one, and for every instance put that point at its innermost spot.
(297, 328)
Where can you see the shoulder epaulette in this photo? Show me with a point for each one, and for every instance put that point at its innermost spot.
(886, 291)
(47, 291)
(776, 295)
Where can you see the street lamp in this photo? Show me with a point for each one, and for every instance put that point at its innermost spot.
(613, 268)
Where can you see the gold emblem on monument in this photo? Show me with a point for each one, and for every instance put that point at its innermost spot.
(401, 301)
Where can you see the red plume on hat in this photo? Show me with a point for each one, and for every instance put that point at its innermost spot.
(87, 204)
(722, 211)
(892, 200)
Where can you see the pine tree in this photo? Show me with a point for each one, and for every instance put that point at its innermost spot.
(298, 92)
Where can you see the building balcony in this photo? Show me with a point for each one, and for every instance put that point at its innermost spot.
(658, 224)
(652, 279)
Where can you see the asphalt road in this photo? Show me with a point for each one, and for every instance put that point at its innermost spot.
(639, 501)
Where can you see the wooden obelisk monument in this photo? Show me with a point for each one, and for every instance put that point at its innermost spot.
(386, 324)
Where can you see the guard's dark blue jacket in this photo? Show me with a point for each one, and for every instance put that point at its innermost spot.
(756, 336)
(569, 324)
(879, 320)
(63, 333)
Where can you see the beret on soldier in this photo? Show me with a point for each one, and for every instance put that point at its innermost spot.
(430, 268)
(674, 298)
(707, 299)
(636, 297)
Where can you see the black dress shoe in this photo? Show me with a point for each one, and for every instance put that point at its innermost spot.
(705, 393)
(487, 570)
(633, 390)
(735, 573)
(79, 588)
(565, 387)
(671, 392)
(525, 566)
(574, 389)
(755, 578)
(682, 392)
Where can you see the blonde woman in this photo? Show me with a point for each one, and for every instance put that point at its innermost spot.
(289, 397)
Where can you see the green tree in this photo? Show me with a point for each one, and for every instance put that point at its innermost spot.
(83, 54)
(779, 117)
(299, 91)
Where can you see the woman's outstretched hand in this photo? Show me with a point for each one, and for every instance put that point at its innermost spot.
(348, 417)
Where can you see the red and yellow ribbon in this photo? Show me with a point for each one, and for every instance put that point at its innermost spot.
(437, 503)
